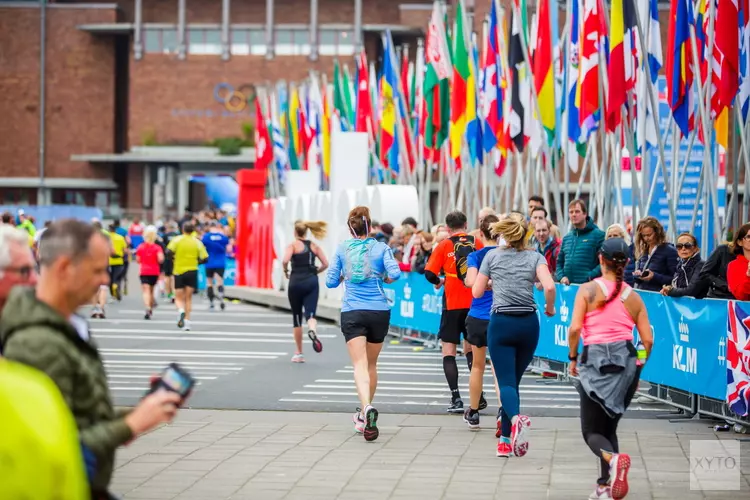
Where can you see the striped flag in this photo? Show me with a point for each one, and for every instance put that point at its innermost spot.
(651, 58)
(389, 102)
(518, 91)
(678, 68)
(463, 92)
(544, 76)
(277, 137)
(727, 44)
(491, 93)
(621, 74)
(744, 90)
(588, 83)
(571, 108)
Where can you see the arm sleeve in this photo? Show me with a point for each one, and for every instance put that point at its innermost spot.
(431, 277)
(437, 259)
(738, 281)
(711, 267)
(670, 267)
(391, 266)
(697, 288)
(47, 353)
(333, 275)
(471, 261)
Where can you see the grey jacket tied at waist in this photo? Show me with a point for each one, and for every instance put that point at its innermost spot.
(605, 373)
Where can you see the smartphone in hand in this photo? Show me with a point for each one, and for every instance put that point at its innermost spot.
(174, 378)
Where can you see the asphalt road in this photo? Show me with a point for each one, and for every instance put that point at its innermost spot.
(241, 358)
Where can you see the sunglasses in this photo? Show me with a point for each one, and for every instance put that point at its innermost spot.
(687, 246)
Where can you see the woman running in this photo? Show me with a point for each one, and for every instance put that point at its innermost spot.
(303, 281)
(150, 256)
(477, 322)
(604, 314)
(363, 264)
(513, 332)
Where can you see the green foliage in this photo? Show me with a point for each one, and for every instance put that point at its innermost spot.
(230, 146)
(248, 132)
(149, 138)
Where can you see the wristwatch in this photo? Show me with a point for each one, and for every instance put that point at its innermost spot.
(573, 357)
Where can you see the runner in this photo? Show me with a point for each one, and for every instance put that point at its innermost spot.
(150, 256)
(476, 326)
(303, 281)
(444, 258)
(363, 264)
(604, 313)
(117, 268)
(187, 252)
(513, 332)
(217, 246)
(168, 264)
(100, 298)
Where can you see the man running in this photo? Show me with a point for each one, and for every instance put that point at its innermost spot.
(168, 264)
(217, 246)
(450, 257)
(117, 268)
(187, 252)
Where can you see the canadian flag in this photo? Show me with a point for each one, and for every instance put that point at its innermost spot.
(263, 145)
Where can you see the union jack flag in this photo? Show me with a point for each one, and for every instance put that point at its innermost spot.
(738, 359)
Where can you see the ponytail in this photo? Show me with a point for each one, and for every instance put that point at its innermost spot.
(317, 228)
(619, 269)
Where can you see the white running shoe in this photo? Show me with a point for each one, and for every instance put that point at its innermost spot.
(187, 326)
(298, 358)
(519, 436)
(601, 493)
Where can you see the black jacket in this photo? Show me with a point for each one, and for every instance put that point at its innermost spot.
(420, 262)
(662, 263)
(685, 278)
(712, 280)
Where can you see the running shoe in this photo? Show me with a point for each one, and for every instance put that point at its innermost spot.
(519, 435)
(619, 466)
(457, 406)
(181, 321)
(499, 428)
(148, 314)
(298, 358)
(222, 305)
(504, 449)
(359, 422)
(601, 493)
(472, 420)
(187, 325)
(211, 306)
(482, 402)
(316, 343)
(371, 431)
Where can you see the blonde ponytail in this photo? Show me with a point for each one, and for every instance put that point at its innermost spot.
(512, 229)
(318, 228)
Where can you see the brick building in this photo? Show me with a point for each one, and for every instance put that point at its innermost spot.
(89, 89)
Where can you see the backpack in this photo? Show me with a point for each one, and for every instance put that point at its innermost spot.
(462, 246)
(358, 265)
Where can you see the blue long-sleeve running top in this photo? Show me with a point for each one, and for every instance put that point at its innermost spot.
(368, 294)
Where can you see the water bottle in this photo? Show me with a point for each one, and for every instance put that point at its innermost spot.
(641, 354)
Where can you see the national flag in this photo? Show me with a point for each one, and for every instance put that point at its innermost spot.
(544, 76)
(738, 358)
(436, 84)
(277, 137)
(463, 90)
(364, 117)
(405, 90)
(587, 96)
(340, 102)
(293, 130)
(651, 58)
(491, 93)
(313, 115)
(727, 29)
(621, 74)
(474, 127)
(678, 64)
(571, 108)
(350, 96)
(389, 97)
(325, 135)
(263, 144)
(744, 90)
(518, 78)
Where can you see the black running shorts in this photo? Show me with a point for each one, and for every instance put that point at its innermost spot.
(149, 280)
(452, 325)
(167, 266)
(371, 324)
(476, 331)
(116, 274)
(211, 271)
(187, 279)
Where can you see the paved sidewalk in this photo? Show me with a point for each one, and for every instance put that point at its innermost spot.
(272, 455)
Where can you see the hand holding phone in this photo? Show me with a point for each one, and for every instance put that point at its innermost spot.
(174, 379)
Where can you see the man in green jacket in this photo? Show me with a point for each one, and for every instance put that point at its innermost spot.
(39, 328)
(578, 261)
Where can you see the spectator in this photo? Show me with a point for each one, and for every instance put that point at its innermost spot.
(545, 244)
(440, 231)
(396, 243)
(17, 265)
(618, 231)
(578, 261)
(482, 214)
(689, 266)
(424, 252)
(535, 201)
(39, 328)
(411, 243)
(24, 222)
(713, 277)
(656, 260)
(8, 219)
(738, 271)
(538, 214)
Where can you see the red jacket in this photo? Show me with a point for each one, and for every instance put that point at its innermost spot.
(737, 278)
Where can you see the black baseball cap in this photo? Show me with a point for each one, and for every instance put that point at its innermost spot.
(615, 250)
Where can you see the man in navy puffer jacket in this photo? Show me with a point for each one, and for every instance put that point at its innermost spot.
(578, 261)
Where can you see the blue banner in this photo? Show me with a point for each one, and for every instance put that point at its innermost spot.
(689, 334)
(230, 269)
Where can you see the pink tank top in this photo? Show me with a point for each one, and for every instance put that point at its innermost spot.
(612, 322)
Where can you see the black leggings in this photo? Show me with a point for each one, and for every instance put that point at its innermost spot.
(599, 430)
(303, 293)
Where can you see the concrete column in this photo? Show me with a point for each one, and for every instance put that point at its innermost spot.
(183, 192)
(138, 30)
(181, 30)
(357, 26)
(147, 182)
(225, 29)
(313, 30)
(269, 29)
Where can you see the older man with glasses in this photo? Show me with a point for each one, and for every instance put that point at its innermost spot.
(17, 265)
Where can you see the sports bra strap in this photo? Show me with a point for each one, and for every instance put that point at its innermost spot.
(602, 286)
(624, 294)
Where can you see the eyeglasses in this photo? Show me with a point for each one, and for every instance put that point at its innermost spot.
(24, 272)
(688, 246)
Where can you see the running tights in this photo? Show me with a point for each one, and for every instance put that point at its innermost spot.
(451, 375)
(470, 359)
(599, 430)
(303, 295)
(511, 341)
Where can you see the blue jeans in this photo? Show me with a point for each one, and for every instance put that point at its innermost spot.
(511, 341)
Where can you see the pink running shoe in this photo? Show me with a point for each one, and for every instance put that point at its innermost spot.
(519, 439)
(359, 422)
(618, 471)
(503, 448)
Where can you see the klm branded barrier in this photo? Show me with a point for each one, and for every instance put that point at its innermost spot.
(689, 335)
(229, 274)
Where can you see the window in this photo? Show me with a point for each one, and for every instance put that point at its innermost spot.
(346, 43)
(248, 42)
(327, 43)
(204, 41)
(160, 40)
(336, 42)
(292, 42)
